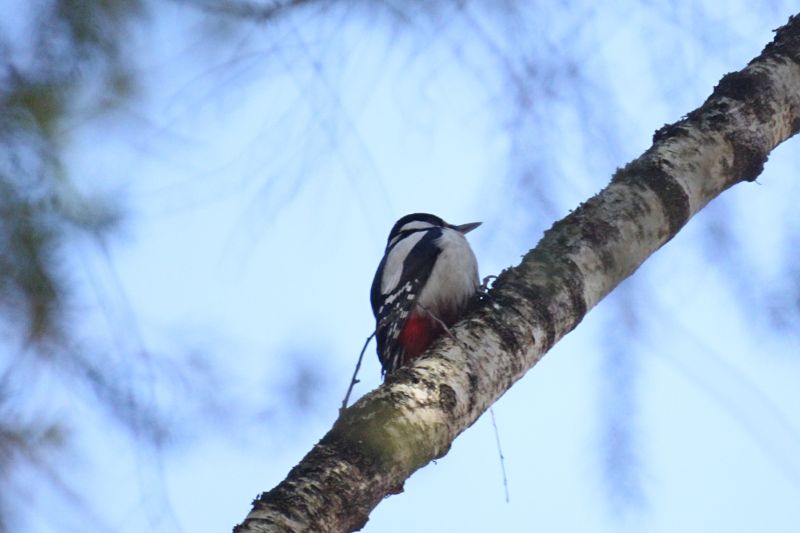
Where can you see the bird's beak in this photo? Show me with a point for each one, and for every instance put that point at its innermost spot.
(466, 228)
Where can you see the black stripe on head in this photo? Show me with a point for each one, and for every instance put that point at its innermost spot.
(397, 229)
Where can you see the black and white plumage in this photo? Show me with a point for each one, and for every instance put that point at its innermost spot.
(426, 278)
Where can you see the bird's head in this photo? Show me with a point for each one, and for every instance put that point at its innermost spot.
(424, 221)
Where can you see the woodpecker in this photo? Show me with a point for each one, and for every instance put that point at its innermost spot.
(425, 280)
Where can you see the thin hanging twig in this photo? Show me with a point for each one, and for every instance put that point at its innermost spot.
(354, 379)
(439, 321)
(500, 452)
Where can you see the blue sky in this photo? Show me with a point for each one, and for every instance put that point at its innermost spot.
(260, 175)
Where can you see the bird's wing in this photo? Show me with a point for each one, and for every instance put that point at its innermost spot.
(392, 307)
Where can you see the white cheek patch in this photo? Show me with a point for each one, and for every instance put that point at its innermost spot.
(417, 224)
(393, 268)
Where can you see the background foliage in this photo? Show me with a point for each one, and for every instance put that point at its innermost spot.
(180, 182)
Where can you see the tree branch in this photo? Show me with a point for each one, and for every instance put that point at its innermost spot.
(412, 419)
